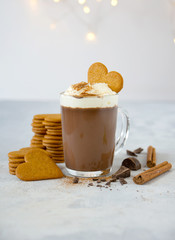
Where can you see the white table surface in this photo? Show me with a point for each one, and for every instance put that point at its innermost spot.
(52, 209)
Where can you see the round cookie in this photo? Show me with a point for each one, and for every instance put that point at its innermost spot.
(16, 160)
(98, 73)
(57, 161)
(37, 145)
(12, 172)
(40, 116)
(36, 125)
(53, 141)
(36, 132)
(52, 124)
(39, 130)
(39, 134)
(52, 137)
(55, 148)
(58, 158)
(36, 141)
(17, 154)
(53, 128)
(27, 148)
(12, 168)
(13, 165)
(37, 121)
(114, 81)
(52, 146)
(55, 151)
(53, 132)
(53, 118)
(36, 137)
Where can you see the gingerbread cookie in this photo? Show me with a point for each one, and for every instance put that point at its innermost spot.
(55, 148)
(51, 124)
(98, 73)
(36, 125)
(48, 133)
(53, 118)
(52, 141)
(50, 137)
(38, 166)
(37, 145)
(40, 116)
(53, 132)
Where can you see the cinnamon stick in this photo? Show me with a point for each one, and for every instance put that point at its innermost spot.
(151, 157)
(152, 173)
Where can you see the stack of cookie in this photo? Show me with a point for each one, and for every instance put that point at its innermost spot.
(39, 129)
(53, 137)
(15, 158)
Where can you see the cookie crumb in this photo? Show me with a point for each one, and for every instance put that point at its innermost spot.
(103, 180)
(108, 183)
(114, 179)
(90, 184)
(95, 179)
(75, 180)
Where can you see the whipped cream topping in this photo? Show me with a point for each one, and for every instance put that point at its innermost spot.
(84, 89)
(84, 95)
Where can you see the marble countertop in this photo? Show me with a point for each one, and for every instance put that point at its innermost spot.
(53, 209)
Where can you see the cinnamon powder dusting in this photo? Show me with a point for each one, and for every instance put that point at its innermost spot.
(83, 89)
(79, 86)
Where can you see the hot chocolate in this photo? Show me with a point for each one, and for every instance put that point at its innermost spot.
(89, 114)
(89, 137)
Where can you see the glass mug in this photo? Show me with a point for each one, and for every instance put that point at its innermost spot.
(89, 133)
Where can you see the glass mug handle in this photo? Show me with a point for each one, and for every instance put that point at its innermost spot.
(124, 131)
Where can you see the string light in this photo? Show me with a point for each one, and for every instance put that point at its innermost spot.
(90, 36)
(81, 2)
(86, 9)
(114, 3)
(52, 26)
(34, 4)
(174, 40)
(56, 1)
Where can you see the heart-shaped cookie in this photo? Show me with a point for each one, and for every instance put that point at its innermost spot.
(98, 73)
(38, 166)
